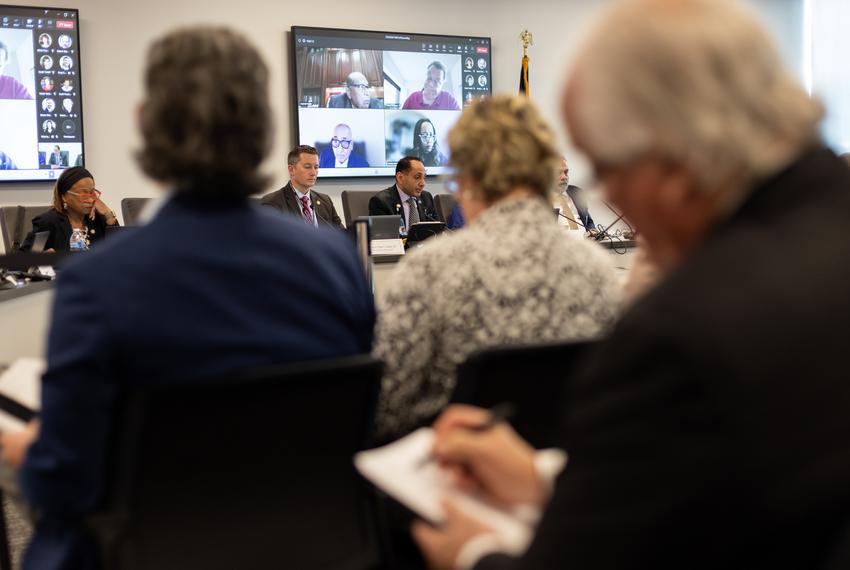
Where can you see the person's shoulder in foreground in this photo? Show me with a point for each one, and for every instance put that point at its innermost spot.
(720, 399)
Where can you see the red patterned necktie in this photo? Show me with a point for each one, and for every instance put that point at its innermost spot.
(305, 211)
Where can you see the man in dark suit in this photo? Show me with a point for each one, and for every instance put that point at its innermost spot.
(407, 197)
(298, 197)
(573, 201)
(356, 96)
(57, 158)
(711, 429)
(212, 285)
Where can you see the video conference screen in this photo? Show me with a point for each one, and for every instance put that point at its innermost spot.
(41, 115)
(367, 99)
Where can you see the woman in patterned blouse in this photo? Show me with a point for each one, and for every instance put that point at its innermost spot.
(510, 277)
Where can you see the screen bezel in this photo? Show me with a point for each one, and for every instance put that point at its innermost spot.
(293, 107)
(79, 84)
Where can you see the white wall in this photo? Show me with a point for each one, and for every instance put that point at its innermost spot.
(116, 33)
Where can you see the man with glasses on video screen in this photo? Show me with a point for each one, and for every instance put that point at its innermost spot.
(356, 94)
(339, 154)
(432, 97)
(298, 197)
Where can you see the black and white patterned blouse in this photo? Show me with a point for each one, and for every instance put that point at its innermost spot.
(512, 277)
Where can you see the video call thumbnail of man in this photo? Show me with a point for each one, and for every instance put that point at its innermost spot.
(376, 81)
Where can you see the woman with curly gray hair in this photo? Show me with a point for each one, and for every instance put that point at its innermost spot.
(510, 277)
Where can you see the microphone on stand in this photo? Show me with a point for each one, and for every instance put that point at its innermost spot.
(572, 220)
(604, 233)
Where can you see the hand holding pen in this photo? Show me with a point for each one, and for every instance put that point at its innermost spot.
(486, 456)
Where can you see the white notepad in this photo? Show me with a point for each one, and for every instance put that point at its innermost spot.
(398, 470)
(21, 383)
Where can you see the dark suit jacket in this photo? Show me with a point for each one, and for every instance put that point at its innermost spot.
(327, 160)
(386, 203)
(200, 291)
(711, 430)
(342, 101)
(61, 160)
(579, 199)
(286, 201)
(60, 230)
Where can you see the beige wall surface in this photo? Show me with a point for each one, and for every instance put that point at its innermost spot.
(115, 35)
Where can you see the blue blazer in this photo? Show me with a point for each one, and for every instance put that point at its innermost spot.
(327, 160)
(198, 292)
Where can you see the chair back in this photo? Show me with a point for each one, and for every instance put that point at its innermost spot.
(131, 209)
(254, 471)
(445, 203)
(531, 377)
(839, 556)
(13, 231)
(355, 204)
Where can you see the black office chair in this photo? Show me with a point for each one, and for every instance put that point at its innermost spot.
(445, 203)
(839, 556)
(254, 471)
(16, 223)
(355, 204)
(131, 209)
(531, 377)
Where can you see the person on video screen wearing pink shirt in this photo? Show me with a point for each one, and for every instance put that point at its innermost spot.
(10, 88)
(432, 97)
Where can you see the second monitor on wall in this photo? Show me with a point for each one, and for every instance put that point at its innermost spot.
(365, 99)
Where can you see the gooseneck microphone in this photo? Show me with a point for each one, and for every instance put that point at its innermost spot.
(572, 220)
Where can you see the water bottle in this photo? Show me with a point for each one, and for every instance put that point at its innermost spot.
(78, 241)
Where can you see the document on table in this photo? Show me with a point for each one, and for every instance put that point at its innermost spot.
(399, 470)
(20, 392)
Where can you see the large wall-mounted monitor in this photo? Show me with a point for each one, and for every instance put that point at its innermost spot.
(41, 104)
(366, 99)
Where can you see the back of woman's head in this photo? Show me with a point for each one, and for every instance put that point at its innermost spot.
(501, 143)
(206, 122)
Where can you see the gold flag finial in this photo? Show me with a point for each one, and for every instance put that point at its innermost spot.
(527, 40)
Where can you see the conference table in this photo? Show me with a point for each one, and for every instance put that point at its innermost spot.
(25, 312)
(24, 320)
(621, 254)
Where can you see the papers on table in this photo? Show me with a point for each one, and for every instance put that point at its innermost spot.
(401, 471)
(20, 392)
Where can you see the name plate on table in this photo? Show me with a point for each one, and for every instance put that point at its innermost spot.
(387, 247)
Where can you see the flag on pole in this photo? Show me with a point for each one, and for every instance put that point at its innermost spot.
(523, 77)
(527, 40)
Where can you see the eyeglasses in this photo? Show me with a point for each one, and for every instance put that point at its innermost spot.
(427, 136)
(93, 195)
(361, 86)
(344, 143)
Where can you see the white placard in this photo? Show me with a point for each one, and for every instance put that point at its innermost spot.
(387, 247)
